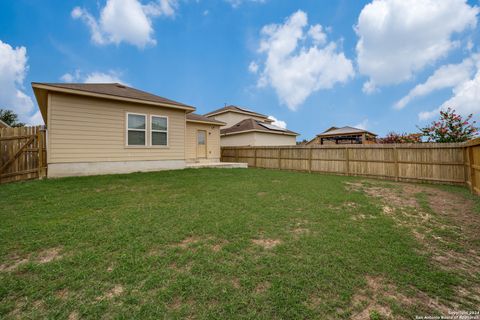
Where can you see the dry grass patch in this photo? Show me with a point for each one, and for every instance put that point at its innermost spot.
(445, 223)
(73, 316)
(187, 242)
(262, 193)
(373, 299)
(262, 287)
(41, 257)
(114, 292)
(267, 243)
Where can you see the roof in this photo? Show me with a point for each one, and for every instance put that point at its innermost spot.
(3, 124)
(115, 91)
(250, 124)
(334, 131)
(193, 117)
(232, 108)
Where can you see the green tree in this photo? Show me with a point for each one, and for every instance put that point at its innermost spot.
(450, 128)
(10, 118)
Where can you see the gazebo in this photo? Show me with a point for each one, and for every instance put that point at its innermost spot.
(344, 135)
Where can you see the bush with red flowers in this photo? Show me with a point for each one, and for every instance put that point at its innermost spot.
(450, 128)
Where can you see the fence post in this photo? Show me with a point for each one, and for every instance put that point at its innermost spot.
(473, 183)
(395, 157)
(310, 160)
(347, 162)
(255, 157)
(236, 155)
(280, 158)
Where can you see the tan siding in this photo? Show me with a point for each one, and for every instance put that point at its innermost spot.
(269, 139)
(213, 141)
(242, 139)
(232, 118)
(83, 129)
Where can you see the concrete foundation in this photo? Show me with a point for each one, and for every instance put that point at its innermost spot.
(57, 170)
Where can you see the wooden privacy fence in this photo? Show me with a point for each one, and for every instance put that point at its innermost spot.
(472, 160)
(433, 162)
(22, 153)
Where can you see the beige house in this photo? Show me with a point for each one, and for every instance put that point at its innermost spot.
(244, 127)
(112, 128)
(343, 135)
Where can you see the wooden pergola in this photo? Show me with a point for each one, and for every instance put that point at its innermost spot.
(344, 135)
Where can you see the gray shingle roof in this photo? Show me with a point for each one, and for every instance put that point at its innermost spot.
(238, 109)
(197, 117)
(252, 124)
(117, 90)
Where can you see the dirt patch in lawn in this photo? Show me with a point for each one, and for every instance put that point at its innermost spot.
(42, 257)
(114, 292)
(73, 316)
(376, 298)
(187, 242)
(267, 243)
(262, 194)
(178, 302)
(445, 223)
(262, 287)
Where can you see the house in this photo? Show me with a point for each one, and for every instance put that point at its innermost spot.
(3, 125)
(244, 127)
(343, 135)
(112, 128)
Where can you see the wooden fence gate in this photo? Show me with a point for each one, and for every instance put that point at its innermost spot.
(22, 154)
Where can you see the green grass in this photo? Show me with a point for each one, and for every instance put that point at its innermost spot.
(125, 231)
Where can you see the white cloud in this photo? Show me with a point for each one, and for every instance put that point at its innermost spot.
(237, 3)
(400, 37)
(465, 99)
(125, 21)
(369, 87)
(447, 76)
(317, 34)
(295, 66)
(93, 77)
(278, 123)
(253, 67)
(362, 125)
(13, 69)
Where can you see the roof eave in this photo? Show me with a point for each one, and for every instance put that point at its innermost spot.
(40, 86)
(211, 114)
(207, 122)
(262, 131)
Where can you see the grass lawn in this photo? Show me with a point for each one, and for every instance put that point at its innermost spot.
(236, 243)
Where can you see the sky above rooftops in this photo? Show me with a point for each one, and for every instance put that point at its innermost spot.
(381, 65)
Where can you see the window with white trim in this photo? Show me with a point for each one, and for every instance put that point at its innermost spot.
(159, 131)
(136, 129)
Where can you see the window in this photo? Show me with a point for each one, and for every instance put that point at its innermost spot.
(136, 129)
(159, 131)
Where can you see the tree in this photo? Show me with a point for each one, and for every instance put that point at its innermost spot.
(394, 137)
(10, 118)
(450, 128)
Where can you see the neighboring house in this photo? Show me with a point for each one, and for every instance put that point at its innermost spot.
(343, 135)
(3, 124)
(112, 128)
(244, 127)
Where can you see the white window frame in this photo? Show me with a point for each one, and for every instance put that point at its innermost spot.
(140, 130)
(165, 131)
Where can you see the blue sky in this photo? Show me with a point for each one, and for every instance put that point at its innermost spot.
(311, 64)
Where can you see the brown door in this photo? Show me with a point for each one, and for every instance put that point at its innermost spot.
(201, 144)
